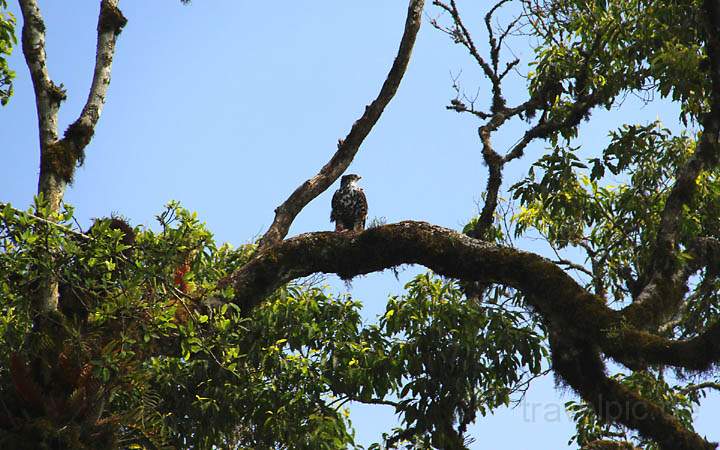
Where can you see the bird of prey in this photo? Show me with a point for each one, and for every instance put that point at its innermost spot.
(349, 205)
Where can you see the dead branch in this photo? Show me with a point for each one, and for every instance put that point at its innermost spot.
(500, 113)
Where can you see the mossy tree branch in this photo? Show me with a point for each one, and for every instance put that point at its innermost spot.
(583, 318)
(78, 135)
(580, 365)
(549, 290)
(48, 95)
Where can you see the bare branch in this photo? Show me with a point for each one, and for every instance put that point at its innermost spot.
(545, 128)
(506, 32)
(500, 113)
(494, 44)
(285, 213)
(48, 96)
(495, 166)
(571, 265)
(58, 158)
(508, 67)
(458, 106)
(78, 135)
(461, 35)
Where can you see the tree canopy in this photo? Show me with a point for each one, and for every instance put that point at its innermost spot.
(124, 336)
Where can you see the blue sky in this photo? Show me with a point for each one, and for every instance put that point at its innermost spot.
(227, 106)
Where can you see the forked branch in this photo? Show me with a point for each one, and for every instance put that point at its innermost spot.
(581, 366)
(59, 157)
(500, 113)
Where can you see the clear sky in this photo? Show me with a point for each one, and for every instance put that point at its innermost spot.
(228, 105)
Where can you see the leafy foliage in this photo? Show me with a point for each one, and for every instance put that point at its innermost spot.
(677, 400)
(571, 202)
(455, 358)
(144, 325)
(7, 41)
(607, 207)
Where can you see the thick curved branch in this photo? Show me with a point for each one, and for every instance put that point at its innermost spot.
(635, 346)
(551, 292)
(563, 304)
(698, 354)
(555, 294)
(285, 213)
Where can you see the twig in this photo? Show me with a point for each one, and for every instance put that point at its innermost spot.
(700, 386)
(45, 221)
